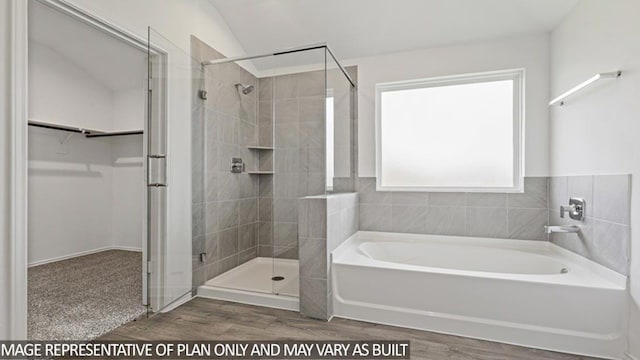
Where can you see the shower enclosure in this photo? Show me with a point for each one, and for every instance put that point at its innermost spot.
(266, 131)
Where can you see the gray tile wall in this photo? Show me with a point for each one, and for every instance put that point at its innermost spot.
(604, 236)
(605, 233)
(324, 223)
(224, 205)
(344, 128)
(265, 163)
(515, 216)
(296, 102)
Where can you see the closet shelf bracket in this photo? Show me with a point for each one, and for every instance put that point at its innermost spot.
(66, 138)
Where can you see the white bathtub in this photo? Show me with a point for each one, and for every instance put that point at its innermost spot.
(529, 293)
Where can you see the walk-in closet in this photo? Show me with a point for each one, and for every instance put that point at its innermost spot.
(87, 193)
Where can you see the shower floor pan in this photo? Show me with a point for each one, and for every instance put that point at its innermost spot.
(252, 283)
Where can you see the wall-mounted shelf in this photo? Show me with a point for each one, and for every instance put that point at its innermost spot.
(86, 132)
(608, 75)
(261, 147)
(260, 172)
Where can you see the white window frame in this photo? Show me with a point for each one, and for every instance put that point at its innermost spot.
(518, 77)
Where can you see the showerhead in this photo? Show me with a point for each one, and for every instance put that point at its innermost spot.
(246, 90)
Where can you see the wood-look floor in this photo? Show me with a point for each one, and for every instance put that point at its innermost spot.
(205, 319)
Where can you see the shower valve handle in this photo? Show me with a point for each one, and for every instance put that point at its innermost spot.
(575, 209)
(568, 208)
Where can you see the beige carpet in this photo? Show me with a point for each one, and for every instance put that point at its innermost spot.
(85, 297)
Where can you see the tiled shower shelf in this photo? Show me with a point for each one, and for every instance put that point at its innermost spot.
(261, 147)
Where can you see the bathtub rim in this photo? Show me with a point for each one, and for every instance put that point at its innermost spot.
(580, 275)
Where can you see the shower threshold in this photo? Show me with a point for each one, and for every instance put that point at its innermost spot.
(257, 282)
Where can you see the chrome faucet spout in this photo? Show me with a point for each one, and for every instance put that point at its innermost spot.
(561, 229)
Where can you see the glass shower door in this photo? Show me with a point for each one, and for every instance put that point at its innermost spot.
(168, 251)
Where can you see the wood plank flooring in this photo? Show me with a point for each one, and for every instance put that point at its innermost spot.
(206, 319)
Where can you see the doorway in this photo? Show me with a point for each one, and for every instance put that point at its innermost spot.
(88, 199)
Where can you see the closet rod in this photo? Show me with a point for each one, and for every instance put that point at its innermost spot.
(86, 132)
(59, 127)
(116, 133)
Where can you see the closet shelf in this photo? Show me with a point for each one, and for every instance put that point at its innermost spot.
(86, 132)
(260, 147)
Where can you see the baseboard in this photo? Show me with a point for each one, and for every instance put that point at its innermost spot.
(82, 253)
(126, 248)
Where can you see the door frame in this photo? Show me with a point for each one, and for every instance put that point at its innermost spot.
(19, 107)
(18, 182)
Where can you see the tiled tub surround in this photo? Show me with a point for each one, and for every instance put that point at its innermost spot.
(604, 236)
(517, 216)
(605, 232)
(224, 205)
(325, 222)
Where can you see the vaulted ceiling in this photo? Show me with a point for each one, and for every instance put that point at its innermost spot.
(360, 28)
(115, 64)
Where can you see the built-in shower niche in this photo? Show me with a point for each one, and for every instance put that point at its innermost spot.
(294, 133)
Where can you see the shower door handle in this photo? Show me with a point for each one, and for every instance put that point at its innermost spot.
(157, 170)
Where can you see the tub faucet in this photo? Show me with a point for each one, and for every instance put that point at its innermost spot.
(561, 229)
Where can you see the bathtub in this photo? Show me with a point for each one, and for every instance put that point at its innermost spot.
(530, 293)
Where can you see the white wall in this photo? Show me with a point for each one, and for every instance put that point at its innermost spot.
(5, 161)
(70, 203)
(127, 192)
(597, 131)
(87, 194)
(175, 20)
(62, 92)
(530, 52)
(127, 164)
(127, 112)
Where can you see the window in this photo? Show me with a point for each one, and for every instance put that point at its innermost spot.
(454, 133)
(329, 136)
